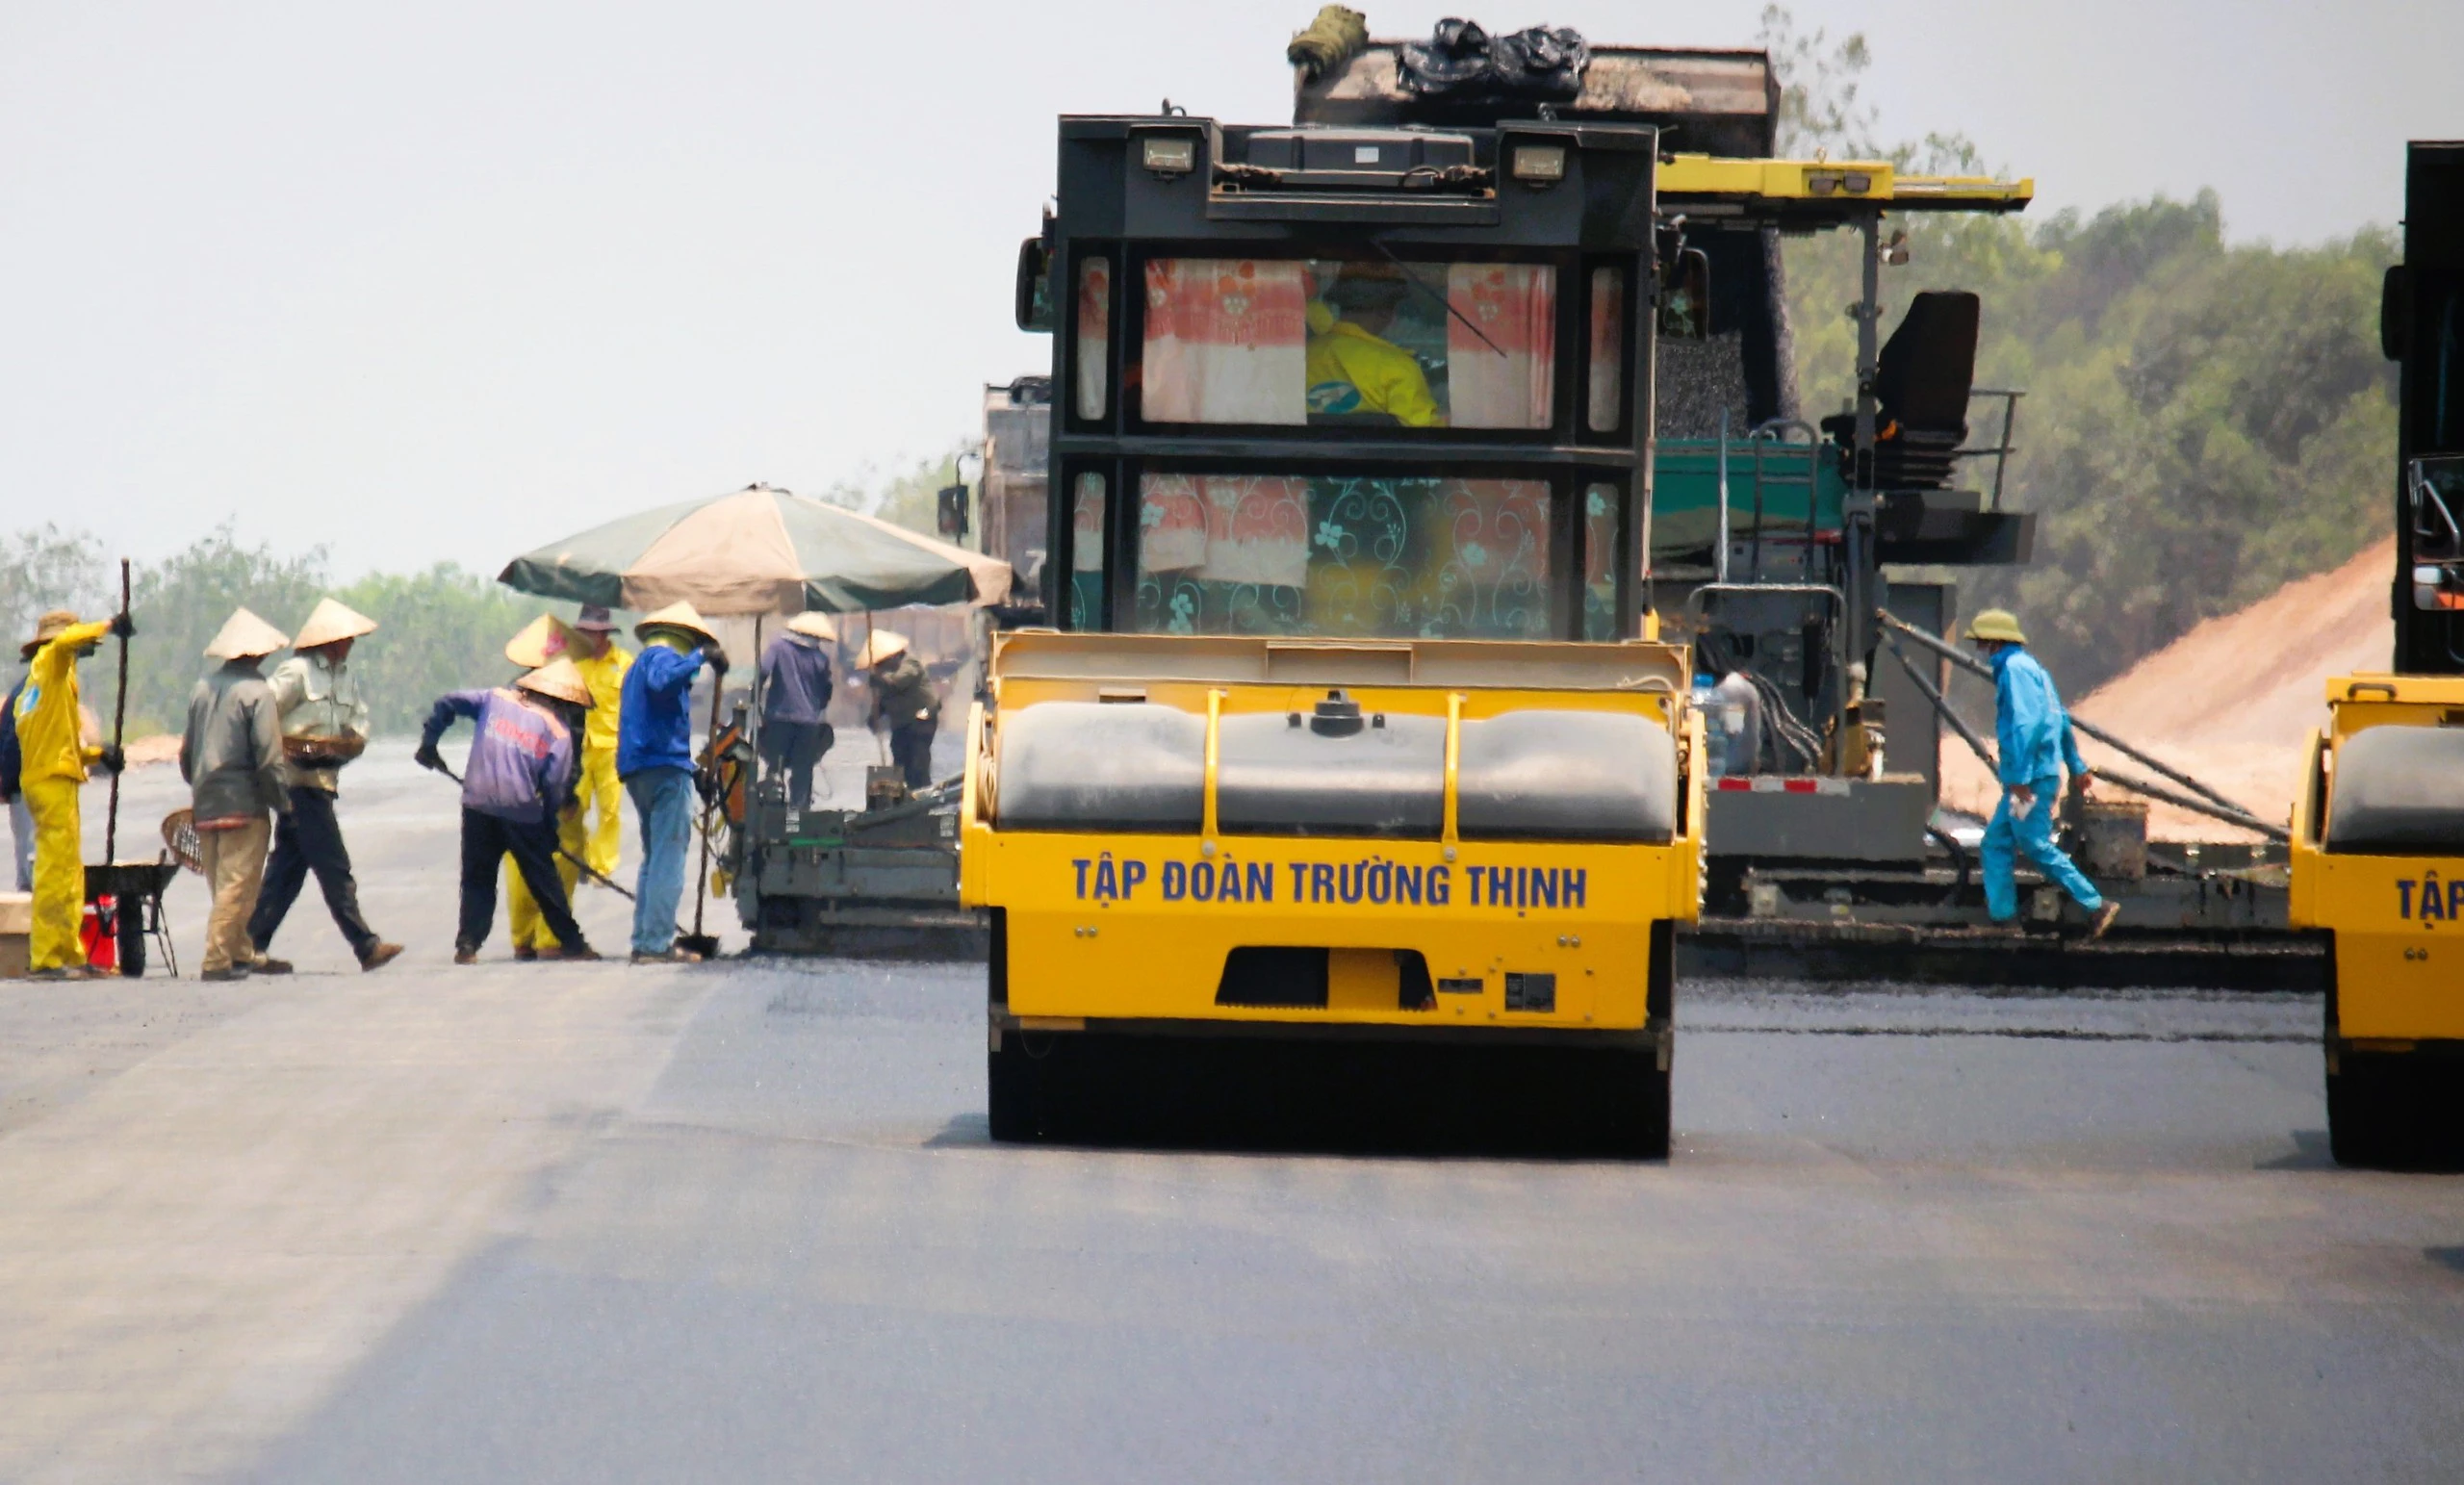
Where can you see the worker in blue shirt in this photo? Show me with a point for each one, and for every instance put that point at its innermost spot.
(2034, 734)
(654, 758)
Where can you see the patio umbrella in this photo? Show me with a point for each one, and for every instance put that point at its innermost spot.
(759, 551)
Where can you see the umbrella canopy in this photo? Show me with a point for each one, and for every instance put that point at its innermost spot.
(759, 551)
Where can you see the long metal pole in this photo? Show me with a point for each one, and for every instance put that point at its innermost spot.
(1975, 667)
(703, 943)
(2234, 815)
(1943, 709)
(1720, 556)
(1856, 526)
(120, 730)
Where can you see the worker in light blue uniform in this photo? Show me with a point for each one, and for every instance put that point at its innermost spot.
(2034, 734)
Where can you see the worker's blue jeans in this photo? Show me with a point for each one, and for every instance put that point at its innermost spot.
(2033, 833)
(663, 802)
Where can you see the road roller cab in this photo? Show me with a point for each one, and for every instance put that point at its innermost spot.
(2377, 862)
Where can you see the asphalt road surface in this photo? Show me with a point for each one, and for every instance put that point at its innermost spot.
(741, 1221)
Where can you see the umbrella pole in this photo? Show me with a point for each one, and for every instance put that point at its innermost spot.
(698, 941)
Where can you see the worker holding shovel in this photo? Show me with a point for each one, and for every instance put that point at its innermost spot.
(521, 773)
(655, 757)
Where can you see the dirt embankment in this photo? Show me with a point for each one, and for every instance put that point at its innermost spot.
(2232, 701)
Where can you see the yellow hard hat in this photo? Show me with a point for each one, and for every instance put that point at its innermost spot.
(1996, 623)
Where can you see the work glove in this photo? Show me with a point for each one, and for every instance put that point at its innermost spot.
(122, 625)
(113, 759)
(717, 657)
(429, 758)
(705, 782)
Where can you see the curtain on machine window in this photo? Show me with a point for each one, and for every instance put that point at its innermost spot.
(1503, 374)
(1226, 342)
(1342, 555)
(1095, 333)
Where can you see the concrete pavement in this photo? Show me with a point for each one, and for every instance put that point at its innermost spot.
(741, 1221)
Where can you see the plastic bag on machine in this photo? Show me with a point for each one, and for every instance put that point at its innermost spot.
(1461, 60)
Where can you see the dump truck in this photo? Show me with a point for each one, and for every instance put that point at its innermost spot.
(2379, 829)
(1352, 782)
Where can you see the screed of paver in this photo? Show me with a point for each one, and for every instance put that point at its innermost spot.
(192, 1255)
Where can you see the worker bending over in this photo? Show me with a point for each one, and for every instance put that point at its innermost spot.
(53, 758)
(231, 756)
(325, 726)
(521, 772)
(2034, 733)
(542, 641)
(655, 757)
(795, 699)
(604, 664)
(903, 704)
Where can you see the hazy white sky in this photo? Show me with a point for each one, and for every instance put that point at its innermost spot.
(448, 280)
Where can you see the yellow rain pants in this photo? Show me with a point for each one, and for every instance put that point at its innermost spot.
(602, 796)
(60, 874)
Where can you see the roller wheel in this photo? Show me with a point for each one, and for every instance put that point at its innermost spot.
(2395, 1111)
(1009, 1092)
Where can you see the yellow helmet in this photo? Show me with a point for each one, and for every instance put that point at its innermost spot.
(1996, 623)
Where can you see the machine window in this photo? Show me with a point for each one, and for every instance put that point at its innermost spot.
(1087, 552)
(1342, 555)
(1605, 380)
(1338, 343)
(1599, 562)
(1095, 333)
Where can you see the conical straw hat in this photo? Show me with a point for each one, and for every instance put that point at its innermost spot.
(558, 678)
(884, 644)
(675, 616)
(50, 626)
(330, 623)
(246, 636)
(540, 641)
(818, 625)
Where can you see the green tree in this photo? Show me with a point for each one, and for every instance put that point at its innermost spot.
(443, 630)
(2203, 422)
(47, 569)
(180, 603)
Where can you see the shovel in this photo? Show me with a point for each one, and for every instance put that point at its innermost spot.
(584, 867)
(707, 945)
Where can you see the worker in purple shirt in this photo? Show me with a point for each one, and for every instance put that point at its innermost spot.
(655, 757)
(795, 698)
(525, 760)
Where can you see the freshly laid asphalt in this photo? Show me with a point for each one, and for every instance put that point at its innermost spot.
(743, 1221)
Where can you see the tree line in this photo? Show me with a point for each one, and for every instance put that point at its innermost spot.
(437, 630)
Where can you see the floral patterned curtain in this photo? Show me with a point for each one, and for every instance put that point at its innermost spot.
(1503, 377)
(1226, 342)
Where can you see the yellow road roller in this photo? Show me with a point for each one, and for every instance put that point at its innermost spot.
(1403, 890)
(2377, 862)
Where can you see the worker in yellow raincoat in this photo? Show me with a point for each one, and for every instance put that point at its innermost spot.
(1352, 368)
(602, 663)
(544, 639)
(57, 755)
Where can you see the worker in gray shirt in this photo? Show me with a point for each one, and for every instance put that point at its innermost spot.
(231, 756)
